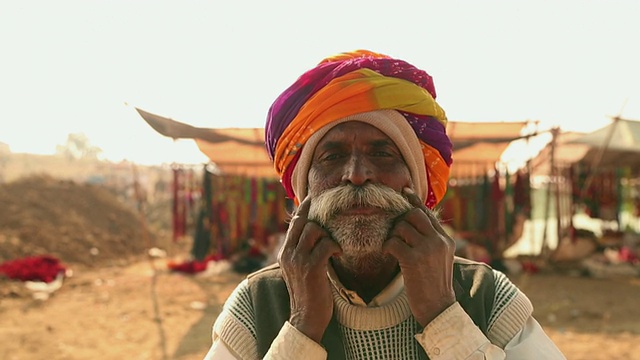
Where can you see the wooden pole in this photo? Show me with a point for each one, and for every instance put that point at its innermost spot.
(556, 176)
(544, 247)
(532, 231)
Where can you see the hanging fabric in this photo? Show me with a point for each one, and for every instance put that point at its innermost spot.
(522, 193)
(508, 204)
(243, 208)
(202, 238)
(179, 210)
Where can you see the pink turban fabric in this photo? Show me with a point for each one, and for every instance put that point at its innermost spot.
(352, 83)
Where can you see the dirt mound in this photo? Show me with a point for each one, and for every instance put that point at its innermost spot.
(77, 223)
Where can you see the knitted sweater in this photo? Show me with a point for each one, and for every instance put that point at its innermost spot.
(258, 308)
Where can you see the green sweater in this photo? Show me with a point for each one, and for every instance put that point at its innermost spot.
(259, 307)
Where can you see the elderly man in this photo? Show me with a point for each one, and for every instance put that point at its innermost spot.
(366, 271)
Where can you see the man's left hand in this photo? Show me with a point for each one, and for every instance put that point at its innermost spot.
(425, 254)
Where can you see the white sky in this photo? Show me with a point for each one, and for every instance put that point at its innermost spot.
(71, 66)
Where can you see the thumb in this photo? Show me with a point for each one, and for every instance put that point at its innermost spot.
(326, 248)
(413, 198)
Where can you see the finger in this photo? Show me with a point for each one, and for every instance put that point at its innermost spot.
(407, 233)
(435, 222)
(420, 220)
(303, 208)
(433, 217)
(311, 234)
(396, 247)
(325, 248)
(296, 225)
(426, 225)
(413, 198)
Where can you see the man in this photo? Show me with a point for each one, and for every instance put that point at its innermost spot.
(366, 271)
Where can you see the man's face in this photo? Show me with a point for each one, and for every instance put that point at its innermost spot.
(355, 180)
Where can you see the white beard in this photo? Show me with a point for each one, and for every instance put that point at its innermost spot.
(360, 236)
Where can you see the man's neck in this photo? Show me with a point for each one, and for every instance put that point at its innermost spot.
(368, 278)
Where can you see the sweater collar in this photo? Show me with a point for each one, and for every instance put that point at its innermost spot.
(387, 295)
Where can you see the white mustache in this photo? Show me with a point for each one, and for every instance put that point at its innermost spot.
(335, 200)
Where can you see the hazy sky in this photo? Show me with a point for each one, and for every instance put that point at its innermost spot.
(72, 66)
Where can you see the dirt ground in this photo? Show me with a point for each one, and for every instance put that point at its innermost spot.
(119, 305)
(110, 313)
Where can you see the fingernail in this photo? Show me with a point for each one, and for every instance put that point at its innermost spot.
(409, 190)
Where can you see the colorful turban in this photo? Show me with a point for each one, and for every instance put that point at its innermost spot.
(352, 83)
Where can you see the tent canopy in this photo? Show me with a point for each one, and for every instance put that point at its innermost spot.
(624, 136)
(615, 145)
(477, 146)
(622, 149)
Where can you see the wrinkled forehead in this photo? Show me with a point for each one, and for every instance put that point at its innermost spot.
(352, 132)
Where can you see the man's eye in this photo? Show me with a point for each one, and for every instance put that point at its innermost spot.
(330, 157)
(381, 154)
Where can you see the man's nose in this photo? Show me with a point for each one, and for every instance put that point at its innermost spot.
(358, 171)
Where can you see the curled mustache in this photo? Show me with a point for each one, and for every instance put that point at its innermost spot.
(335, 200)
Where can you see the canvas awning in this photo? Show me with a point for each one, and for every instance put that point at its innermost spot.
(238, 151)
(615, 145)
(477, 146)
(233, 157)
(620, 135)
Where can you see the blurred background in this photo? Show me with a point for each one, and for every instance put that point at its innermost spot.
(135, 190)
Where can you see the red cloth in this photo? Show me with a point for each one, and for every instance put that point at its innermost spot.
(255, 251)
(36, 268)
(193, 266)
(530, 267)
(627, 255)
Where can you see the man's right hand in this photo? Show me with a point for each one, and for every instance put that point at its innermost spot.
(304, 258)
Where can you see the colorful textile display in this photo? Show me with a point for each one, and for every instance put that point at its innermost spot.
(483, 209)
(185, 190)
(522, 193)
(202, 236)
(610, 193)
(369, 81)
(236, 209)
(601, 198)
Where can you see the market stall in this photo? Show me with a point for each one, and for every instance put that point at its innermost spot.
(596, 191)
(484, 202)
